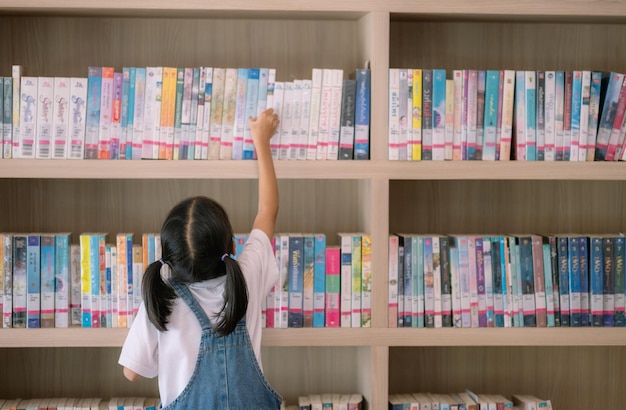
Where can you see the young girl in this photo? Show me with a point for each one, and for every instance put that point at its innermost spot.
(200, 330)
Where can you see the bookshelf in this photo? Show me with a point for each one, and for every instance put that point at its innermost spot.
(576, 368)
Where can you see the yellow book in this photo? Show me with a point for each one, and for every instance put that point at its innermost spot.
(168, 99)
(416, 153)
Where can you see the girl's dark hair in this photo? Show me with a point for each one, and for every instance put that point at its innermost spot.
(194, 236)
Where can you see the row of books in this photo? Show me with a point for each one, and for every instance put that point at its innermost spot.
(506, 114)
(328, 401)
(183, 114)
(46, 281)
(466, 400)
(72, 403)
(506, 280)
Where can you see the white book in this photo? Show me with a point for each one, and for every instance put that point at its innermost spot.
(285, 129)
(138, 119)
(45, 111)
(263, 84)
(506, 130)
(458, 78)
(185, 115)
(78, 100)
(324, 118)
(346, 280)
(394, 114)
(283, 280)
(296, 103)
(335, 115)
(549, 134)
(152, 113)
(229, 114)
(216, 106)
(314, 113)
(240, 113)
(305, 114)
(279, 92)
(28, 117)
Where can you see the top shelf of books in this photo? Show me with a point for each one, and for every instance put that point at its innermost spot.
(532, 9)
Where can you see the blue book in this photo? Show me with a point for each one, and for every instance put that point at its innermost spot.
(319, 281)
(531, 116)
(574, 281)
(619, 249)
(559, 113)
(496, 270)
(33, 278)
(491, 114)
(131, 113)
(124, 112)
(252, 96)
(596, 277)
(547, 275)
(406, 242)
(106, 312)
(608, 282)
(92, 126)
(564, 286)
(308, 278)
(240, 113)
(439, 113)
(574, 143)
(295, 279)
(583, 256)
(362, 114)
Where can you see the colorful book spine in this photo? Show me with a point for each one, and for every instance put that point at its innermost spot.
(106, 109)
(334, 119)
(206, 121)
(240, 113)
(85, 277)
(319, 280)
(296, 280)
(16, 75)
(429, 283)
(574, 144)
(490, 115)
(278, 105)
(540, 111)
(152, 112)
(548, 115)
(366, 280)
(362, 114)
(193, 120)
(449, 121)
(583, 255)
(531, 115)
(333, 286)
(139, 112)
(61, 281)
(596, 275)
(346, 135)
(539, 281)
(75, 284)
(7, 113)
(47, 279)
(295, 111)
(427, 115)
(619, 249)
(594, 111)
(480, 281)
(508, 99)
(392, 299)
(116, 116)
(585, 95)
(6, 244)
(547, 273)
(608, 282)
(455, 284)
(439, 114)
(417, 269)
(480, 113)
(308, 280)
(393, 129)
(567, 114)
(176, 114)
(489, 285)
(346, 280)
(33, 277)
(45, 116)
(92, 126)
(458, 78)
(472, 110)
(437, 281)
(20, 244)
(614, 147)
(609, 104)
(574, 281)
(252, 96)
(229, 115)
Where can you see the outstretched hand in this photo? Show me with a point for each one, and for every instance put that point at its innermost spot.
(263, 126)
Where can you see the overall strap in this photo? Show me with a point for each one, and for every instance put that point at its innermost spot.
(185, 294)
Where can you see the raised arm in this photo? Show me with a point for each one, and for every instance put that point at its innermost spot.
(262, 129)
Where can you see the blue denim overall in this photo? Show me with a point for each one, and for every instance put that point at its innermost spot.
(227, 375)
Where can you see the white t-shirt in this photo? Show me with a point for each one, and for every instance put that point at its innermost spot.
(171, 355)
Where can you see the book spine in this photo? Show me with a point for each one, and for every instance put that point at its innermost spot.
(252, 96)
(548, 115)
(193, 120)
(619, 249)
(575, 115)
(547, 274)
(106, 109)
(439, 114)
(319, 281)
(7, 113)
(295, 111)
(427, 115)
(33, 277)
(583, 144)
(61, 118)
(539, 281)
(16, 75)
(138, 113)
(362, 114)
(594, 110)
(7, 279)
(429, 283)
(20, 245)
(45, 113)
(393, 115)
(392, 299)
(240, 113)
(488, 274)
(308, 261)
(574, 282)
(540, 111)
(94, 92)
(346, 280)
(229, 116)
(305, 113)
(333, 286)
(480, 113)
(567, 114)
(334, 118)
(583, 252)
(366, 280)
(47, 278)
(28, 117)
(472, 113)
(346, 138)
(154, 77)
(296, 280)
(608, 282)
(480, 281)
(314, 113)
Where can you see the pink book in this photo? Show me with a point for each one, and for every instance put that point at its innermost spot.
(333, 283)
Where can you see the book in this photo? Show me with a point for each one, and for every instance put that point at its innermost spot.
(333, 286)
(393, 129)
(207, 118)
(585, 96)
(116, 116)
(594, 109)
(491, 115)
(612, 83)
(574, 142)
(427, 114)
(77, 130)
(366, 280)
(362, 114)
(334, 114)
(346, 276)
(28, 117)
(296, 280)
(45, 116)
(392, 299)
(438, 114)
(106, 109)
(458, 79)
(319, 280)
(192, 136)
(613, 150)
(304, 114)
(252, 96)
(347, 118)
(33, 279)
(138, 114)
(229, 112)
(47, 276)
(293, 147)
(152, 113)
(449, 121)
(619, 249)
(308, 260)
(92, 126)
(472, 112)
(548, 115)
(314, 113)
(540, 112)
(217, 110)
(6, 275)
(7, 116)
(240, 119)
(480, 113)
(16, 76)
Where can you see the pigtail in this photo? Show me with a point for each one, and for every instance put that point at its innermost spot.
(235, 298)
(157, 295)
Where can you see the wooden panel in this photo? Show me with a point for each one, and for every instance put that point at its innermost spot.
(66, 46)
(572, 377)
(507, 45)
(495, 207)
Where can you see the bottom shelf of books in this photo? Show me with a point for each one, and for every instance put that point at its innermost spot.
(571, 377)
